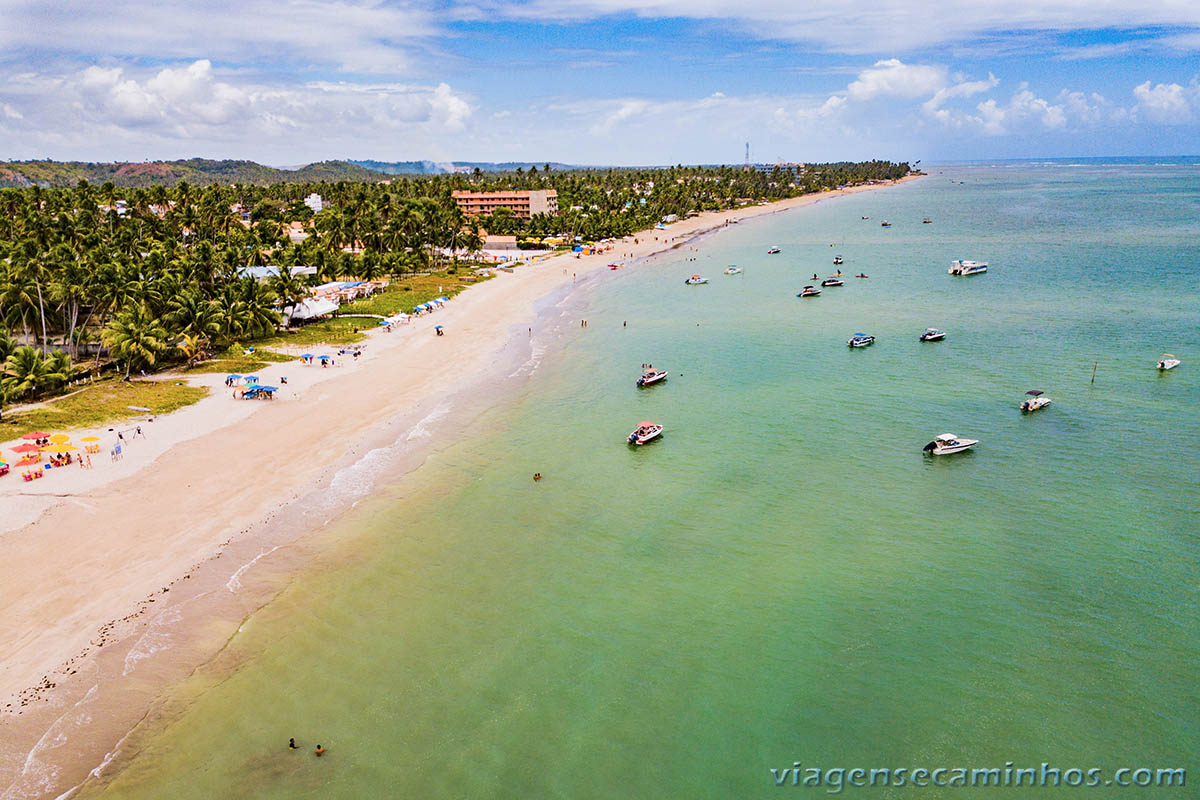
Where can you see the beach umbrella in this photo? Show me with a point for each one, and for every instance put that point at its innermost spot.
(36, 435)
(307, 355)
(26, 448)
(62, 447)
(60, 438)
(90, 439)
(437, 327)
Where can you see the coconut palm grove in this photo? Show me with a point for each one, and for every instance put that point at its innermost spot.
(111, 279)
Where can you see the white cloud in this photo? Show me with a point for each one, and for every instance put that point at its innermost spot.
(177, 107)
(1166, 103)
(357, 35)
(962, 89)
(893, 78)
(887, 26)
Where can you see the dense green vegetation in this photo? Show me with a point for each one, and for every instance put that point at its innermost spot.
(138, 278)
(200, 171)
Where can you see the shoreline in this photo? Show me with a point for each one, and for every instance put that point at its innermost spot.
(246, 488)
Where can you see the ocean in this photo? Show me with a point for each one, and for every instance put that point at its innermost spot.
(783, 582)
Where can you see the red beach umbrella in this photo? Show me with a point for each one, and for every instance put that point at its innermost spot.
(26, 448)
(36, 435)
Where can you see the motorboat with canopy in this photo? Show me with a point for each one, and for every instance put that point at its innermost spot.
(945, 444)
(1037, 399)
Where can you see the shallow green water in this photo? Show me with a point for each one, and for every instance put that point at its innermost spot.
(784, 576)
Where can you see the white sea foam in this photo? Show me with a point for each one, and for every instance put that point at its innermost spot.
(154, 640)
(235, 580)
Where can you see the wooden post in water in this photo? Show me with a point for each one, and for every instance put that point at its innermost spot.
(1094, 372)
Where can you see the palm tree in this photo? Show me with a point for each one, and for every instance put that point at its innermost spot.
(135, 337)
(26, 371)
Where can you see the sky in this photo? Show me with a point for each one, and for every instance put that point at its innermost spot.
(598, 81)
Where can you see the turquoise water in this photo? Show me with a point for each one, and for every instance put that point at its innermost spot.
(783, 577)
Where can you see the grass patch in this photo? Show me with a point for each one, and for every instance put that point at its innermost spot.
(234, 360)
(401, 295)
(103, 403)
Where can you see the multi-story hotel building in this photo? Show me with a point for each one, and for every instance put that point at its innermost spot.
(523, 204)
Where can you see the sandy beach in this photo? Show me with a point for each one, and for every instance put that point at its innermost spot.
(87, 552)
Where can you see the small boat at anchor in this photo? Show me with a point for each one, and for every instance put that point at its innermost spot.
(772, 251)
(695, 280)
(651, 377)
(947, 444)
(645, 432)
(932, 335)
(733, 269)
(885, 224)
(833, 280)
(809, 291)
(961, 267)
(837, 260)
(1168, 361)
(861, 340)
(926, 221)
(1037, 399)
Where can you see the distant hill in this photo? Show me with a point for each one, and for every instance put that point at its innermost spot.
(444, 167)
(200, 171)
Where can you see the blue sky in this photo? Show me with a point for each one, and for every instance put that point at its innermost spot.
(599, 81)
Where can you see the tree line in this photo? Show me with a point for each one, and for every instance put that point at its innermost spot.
(146, 276)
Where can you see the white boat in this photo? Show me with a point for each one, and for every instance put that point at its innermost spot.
(1037, 399)
(651, 377)
(1168, 361)
(932, 335)
(645, 432)
(833, 280)
(947, 443)
(926, 221)
(809, 291)
(733, 269)
(961, 267)
(837, 260)
(885, 224)
(772, 251)
(695, 280)
(860, 340)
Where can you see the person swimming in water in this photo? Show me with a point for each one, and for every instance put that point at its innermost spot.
(319, 751)
(292, 744)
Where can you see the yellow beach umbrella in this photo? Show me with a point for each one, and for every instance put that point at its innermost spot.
(61, 447)
(90, 439)
(60, 438)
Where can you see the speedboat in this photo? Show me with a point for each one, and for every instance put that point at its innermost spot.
(947, 443)
(772, 251)
(960, 267)
(932, 335)
(926, 221)
(645, 432)
(866, 217)
(733, 269)
(809, 291)
(837, 260)
(651, 377)
(695, 280)
(1036, 400)
(860, 340)
(833, 281)
(885, 224)
(1168, 361)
